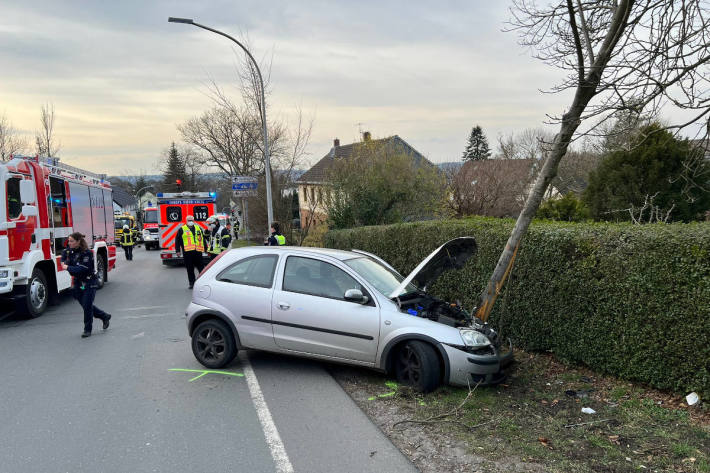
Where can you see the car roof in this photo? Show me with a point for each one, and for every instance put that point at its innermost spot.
(338, 254)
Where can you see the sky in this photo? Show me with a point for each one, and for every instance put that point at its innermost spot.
(120, 77)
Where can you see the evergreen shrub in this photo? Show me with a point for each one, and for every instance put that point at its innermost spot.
(628, 300)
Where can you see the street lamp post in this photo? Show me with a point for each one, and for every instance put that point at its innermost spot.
(267, 164)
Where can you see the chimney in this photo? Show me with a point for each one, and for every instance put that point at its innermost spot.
(366, 136)
(336, 142)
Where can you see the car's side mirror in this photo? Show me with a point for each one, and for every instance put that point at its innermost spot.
(27, 192)
(355, 295)
(29, 211)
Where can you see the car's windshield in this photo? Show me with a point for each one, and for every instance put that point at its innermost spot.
(151, 216)
(381, 277)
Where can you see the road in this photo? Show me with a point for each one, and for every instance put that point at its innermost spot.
(121, 400)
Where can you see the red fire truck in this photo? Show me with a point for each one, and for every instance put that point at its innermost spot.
(151, 232)
(173, 209)
(41, 203)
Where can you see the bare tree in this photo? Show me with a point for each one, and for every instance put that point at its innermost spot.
(636, 55)
(531, 143)
(10, 141)
(229, 138)
(46, 142)
(493, 187)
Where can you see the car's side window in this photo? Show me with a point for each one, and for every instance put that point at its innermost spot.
(254, 271)
(318, 278)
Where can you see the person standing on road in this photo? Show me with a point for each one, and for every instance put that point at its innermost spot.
(127, 242)
(78, 259)
(190, 241)
(219, 238)
(276, 238)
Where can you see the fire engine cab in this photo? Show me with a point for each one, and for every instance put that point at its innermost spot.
(41, 203)
(173, 209)
(151, 236)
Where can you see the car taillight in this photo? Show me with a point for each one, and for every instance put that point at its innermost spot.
(209, 265)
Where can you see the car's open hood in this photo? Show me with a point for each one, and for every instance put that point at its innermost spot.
(451, 255)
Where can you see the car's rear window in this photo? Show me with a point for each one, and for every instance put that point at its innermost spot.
(253, 271)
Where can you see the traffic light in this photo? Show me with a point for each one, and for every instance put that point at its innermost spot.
(178, 183)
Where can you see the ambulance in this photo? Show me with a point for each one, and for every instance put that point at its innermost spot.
(173, 209)
(151, 231)
(42, 202)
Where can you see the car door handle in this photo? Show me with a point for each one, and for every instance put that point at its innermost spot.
(284, 306)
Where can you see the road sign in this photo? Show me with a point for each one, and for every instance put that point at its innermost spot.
(244, 186)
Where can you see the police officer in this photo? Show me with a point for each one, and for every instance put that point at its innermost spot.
(276, 238)
(78, 259)
(127, 242)
(219, 238)
(190, 240)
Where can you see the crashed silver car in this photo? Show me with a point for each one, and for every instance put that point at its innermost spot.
(343, 306)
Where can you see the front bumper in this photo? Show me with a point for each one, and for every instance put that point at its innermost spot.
(6, 283)
(469, 369)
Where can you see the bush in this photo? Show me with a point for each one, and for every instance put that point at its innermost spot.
(315, 236)
(566, 209)
(633, 301)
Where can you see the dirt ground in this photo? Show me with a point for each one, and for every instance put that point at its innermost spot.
(534, 422)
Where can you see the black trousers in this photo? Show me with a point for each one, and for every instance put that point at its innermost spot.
(128, 249)
(86, 299)
(193, 259)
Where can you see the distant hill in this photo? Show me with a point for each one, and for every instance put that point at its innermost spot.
(450, 166)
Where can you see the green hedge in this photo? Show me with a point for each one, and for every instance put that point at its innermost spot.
(633, 301)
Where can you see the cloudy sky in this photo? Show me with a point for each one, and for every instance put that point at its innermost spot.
(121, 77)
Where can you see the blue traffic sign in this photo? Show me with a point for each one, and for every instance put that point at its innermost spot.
(244, 186)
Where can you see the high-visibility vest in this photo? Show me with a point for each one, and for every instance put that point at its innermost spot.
(280, 239)
(127, 238)
(215, 245)
(190, 244)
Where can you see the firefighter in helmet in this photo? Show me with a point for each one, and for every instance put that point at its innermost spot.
(127, 242)
(191, 241)
(218, 238)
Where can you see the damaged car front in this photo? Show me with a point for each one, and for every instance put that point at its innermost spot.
(472, 350)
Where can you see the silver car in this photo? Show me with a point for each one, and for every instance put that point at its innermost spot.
(343, 306)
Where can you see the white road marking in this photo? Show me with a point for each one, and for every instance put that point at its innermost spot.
(273, 439)
(146, 308)
(138, 335)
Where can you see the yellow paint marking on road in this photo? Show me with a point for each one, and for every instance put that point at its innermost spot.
(204, 372)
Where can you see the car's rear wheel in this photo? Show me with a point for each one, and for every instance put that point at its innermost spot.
(417, 365)
(213, 344)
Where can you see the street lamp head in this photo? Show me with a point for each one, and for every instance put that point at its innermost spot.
(180, 20)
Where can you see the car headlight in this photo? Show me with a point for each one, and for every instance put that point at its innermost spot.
(472, 338)
(4, 273)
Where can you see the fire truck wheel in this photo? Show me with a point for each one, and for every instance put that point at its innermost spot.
(36, 295)
(101, 270)
(213, 344)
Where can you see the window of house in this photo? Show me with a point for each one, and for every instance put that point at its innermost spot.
(305, 194)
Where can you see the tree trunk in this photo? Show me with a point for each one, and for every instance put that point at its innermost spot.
(586, 89)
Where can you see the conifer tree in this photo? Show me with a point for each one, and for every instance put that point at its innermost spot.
(477, 148)
(173, 170)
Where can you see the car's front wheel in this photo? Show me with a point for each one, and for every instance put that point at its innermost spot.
(417, 365)
(213, 344)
